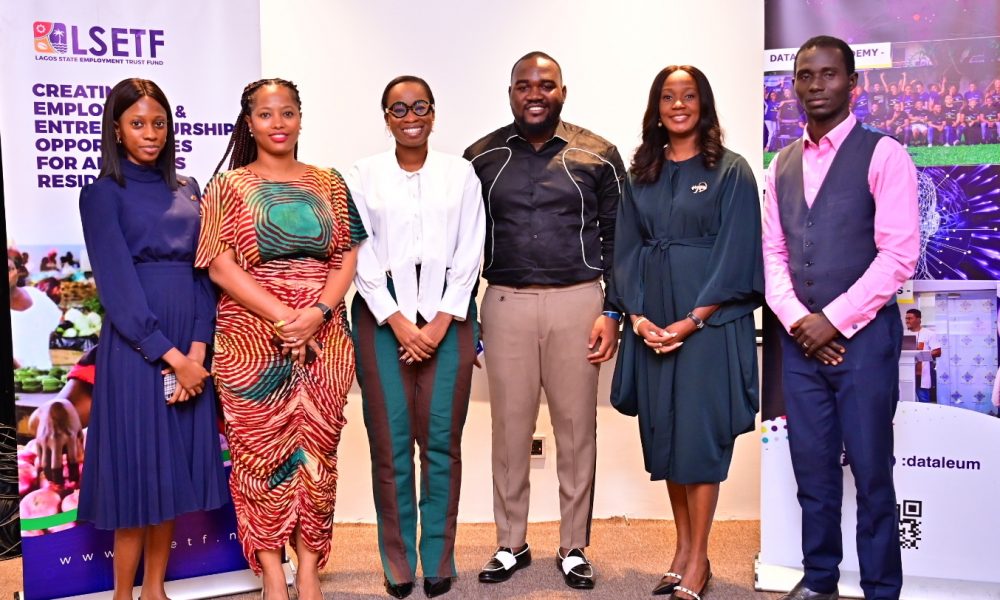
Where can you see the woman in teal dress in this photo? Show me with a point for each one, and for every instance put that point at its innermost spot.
(689, 272)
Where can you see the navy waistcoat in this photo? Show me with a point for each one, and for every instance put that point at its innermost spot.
(832, 243)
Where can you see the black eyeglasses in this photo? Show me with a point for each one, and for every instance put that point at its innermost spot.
(419, 108)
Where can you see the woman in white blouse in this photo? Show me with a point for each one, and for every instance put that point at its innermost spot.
(415, 333)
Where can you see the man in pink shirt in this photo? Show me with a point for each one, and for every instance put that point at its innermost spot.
(841, 233)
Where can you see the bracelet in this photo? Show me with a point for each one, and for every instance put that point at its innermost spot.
(635, 326)
(698, 323)
(617, 316)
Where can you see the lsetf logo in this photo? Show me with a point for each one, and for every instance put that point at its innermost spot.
(115, 42)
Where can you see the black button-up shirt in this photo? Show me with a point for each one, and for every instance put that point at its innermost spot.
(550, 213)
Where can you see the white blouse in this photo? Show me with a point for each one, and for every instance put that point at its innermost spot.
(434, 218)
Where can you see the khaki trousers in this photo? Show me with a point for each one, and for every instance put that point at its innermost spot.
(536, 338)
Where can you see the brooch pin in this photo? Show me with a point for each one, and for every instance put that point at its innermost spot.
(699, 187)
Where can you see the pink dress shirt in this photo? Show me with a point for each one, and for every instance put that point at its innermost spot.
(892, 179)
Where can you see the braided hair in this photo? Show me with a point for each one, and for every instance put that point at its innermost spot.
(242, 149)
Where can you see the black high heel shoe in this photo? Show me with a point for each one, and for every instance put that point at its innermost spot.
(436, 586)
(693, 595)
(398, 590)
(667, 583)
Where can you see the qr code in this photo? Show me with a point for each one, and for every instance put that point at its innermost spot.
(910, 513)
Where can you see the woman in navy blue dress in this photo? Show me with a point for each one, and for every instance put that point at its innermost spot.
(150, 456)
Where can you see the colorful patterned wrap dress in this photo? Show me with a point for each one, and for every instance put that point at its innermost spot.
(283, 421)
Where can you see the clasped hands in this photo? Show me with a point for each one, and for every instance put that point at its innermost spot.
(296, 331)
(189, 369)
(663, 340)
(417, 344)
(815, 334)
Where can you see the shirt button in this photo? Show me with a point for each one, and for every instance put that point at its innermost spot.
(855, 326)
(809, 263)
(809, 223)
(812, 302)
(809, 283)
(534, 237)
(808, 244)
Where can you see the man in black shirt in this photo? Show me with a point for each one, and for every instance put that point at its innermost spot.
(898, 125)
(952, 117)
(990, 119)
(938, 130)
(918, 124)
(551, 191)
(970, 128)
(877, 117)
(959, 100)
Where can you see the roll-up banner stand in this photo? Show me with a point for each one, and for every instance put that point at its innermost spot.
(59, 61)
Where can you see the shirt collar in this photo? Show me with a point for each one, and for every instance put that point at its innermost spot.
(428, 163)
(561, 133)
(836, 136)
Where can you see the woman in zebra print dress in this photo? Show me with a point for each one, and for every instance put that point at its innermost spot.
(278, 237)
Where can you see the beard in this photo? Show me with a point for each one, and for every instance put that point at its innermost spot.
(541, 127)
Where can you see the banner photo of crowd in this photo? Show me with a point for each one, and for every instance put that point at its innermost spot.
(928, 74)
(940, 99)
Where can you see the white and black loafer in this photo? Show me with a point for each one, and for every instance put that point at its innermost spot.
(576, 569)
(504, 563)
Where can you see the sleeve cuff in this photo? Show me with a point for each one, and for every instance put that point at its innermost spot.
(847, 321)
(154, 346)
(454, 305)
(204, 331)
(382, 305)
(790, 316)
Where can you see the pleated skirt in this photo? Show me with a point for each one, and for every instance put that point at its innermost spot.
(146, 461)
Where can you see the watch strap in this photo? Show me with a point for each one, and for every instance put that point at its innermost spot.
(326, 310)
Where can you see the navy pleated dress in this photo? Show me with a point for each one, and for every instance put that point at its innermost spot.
(146, 461)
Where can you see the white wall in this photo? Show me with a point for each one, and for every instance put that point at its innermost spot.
(341, 54)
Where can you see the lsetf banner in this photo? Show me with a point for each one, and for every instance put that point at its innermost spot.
(928, 75)
(59, 62)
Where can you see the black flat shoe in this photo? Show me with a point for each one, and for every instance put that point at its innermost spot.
(504, 563)
(668, 582)
(398, 590)
(577, 571)
(436, 586)
(801, 592)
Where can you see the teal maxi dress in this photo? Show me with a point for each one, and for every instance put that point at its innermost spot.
(692, 238)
